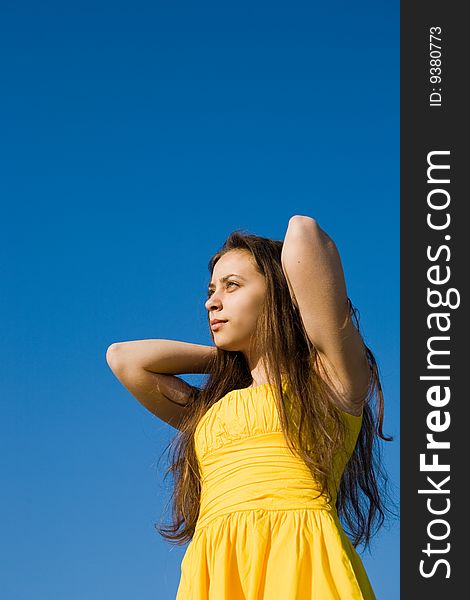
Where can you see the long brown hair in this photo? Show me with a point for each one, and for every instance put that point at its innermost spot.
(303, 416)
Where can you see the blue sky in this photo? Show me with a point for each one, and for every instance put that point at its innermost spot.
(135, 138)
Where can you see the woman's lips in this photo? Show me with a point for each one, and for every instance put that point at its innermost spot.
(216, 326)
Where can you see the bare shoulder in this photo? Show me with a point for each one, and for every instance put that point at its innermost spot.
(166, 396)
(342, 396)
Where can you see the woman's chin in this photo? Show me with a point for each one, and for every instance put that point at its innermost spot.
(226, 344)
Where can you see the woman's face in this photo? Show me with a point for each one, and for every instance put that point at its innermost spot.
(236, 294)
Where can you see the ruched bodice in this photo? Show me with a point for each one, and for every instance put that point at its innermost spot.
(245, 461)
(260, 511)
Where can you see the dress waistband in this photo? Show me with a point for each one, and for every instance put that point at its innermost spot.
(256, 472)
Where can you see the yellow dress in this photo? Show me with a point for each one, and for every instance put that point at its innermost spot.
(259, 534)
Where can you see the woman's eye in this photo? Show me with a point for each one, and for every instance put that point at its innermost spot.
(210, 292)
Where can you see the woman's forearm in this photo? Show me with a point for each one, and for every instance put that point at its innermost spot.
(161, 356)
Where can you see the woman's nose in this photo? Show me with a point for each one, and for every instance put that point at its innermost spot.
(212, 302)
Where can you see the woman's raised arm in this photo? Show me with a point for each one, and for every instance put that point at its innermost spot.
(314, 273)
(148, 368)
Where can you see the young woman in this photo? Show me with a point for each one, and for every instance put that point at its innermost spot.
(278, 443)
